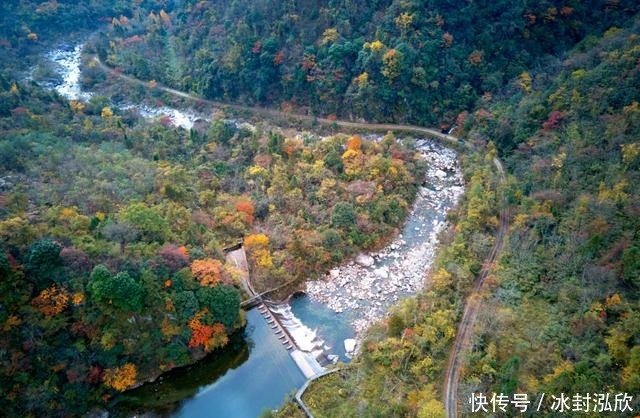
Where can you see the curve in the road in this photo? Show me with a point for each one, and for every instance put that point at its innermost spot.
(279, 114)
(452, 373)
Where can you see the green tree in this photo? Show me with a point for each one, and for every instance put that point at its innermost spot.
(631, 265)
(147, 221)
(121, 291)
(395, 325)
(222, 302)
(44, 258)
(343, 215)
(5, 267)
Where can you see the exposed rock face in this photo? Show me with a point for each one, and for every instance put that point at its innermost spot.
(362, 188)
(366, 287)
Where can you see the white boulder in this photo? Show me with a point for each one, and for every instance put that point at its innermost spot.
(364, 260)
(350, 346)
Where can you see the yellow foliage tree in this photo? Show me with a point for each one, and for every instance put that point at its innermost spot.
(106, 112)
(630, 152)
(375, 46)
(431, 409)
(353, 159)
(76, 106)
(77, 299)
(525, 82)
(441, 279)
(404, 21)
(362, 80)
(256, 240)
(51, 301)
(391, 60)
(329, 36)
(121, 378)
(263, 257)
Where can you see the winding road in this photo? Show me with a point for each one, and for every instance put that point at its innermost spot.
(279, 114)
(474, 301)
(472, 307)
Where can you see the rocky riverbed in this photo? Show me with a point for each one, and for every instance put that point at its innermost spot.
(364, 289)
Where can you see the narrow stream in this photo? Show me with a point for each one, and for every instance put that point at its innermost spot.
(255, 372)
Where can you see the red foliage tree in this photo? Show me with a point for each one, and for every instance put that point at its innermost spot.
(174, 257)
(554, 119)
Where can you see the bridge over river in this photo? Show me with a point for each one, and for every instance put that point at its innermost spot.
(305, 360)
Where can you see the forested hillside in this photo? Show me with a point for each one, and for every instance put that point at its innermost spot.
(564, 313)
(421, 61)
(112, 226)
(561, 307)
(28, 25)
(111, 232)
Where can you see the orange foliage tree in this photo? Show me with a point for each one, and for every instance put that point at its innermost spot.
(51, 301)
(245, 206)
(354, 143)
(208, 336)
(208, 271)
(121, 378)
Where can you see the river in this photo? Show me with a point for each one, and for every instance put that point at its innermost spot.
(255, 372)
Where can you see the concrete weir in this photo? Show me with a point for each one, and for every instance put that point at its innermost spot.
(307, 363)
(305, 360)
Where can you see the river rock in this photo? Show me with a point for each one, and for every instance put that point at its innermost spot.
(350, 345)
(382, 272)
(364, 260)
(368, 286)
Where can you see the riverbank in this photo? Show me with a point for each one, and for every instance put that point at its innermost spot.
(365, 288)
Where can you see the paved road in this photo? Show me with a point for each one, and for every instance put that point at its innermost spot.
(474, 301)
(279, 114)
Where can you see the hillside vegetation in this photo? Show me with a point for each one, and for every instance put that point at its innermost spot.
(561, 307)
(419, 61)
(112, 229)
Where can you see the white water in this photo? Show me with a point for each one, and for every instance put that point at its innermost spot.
(67, 63)
(181, 118)
(306, 339)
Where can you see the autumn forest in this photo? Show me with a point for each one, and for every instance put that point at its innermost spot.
(115, 224)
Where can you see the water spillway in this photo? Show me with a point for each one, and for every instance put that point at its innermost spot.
(255, 374)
